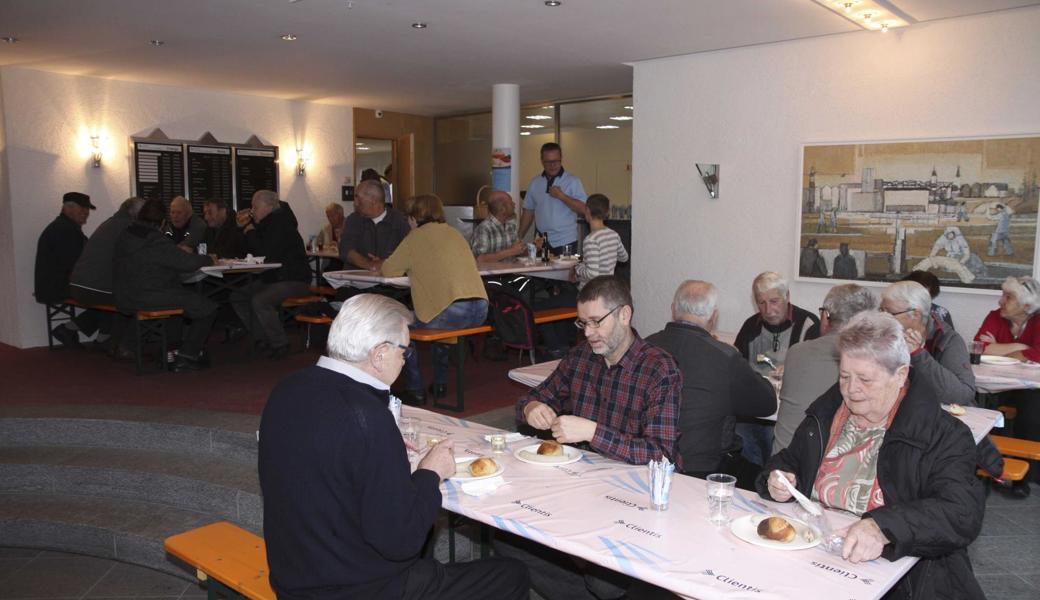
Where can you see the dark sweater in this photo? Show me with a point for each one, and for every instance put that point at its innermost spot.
(277, 240)
(94, 269)
(343, 517)
(365, 236)
(803, 324)
(718, 386)
(58, 249)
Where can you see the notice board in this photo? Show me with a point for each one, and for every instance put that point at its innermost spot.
(159, 170)
(255, 169)
(209, 175)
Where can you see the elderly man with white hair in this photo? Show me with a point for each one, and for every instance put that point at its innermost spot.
(331, 232)
(938, 354)
(763, 340)
(811, 368)
(718, 386)
(495, 238)
(344, 516)
(184, 226)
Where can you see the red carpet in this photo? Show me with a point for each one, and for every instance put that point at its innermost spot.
(237, 382)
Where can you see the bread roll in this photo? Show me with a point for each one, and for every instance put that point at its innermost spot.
(957, 410)
(482, 467)
(776, 528)
(550, 448)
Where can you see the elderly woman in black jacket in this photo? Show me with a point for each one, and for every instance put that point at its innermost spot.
(879, 446)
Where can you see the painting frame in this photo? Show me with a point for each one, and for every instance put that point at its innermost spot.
(883, 205)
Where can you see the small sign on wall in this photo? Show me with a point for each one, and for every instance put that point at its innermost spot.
(348, 193)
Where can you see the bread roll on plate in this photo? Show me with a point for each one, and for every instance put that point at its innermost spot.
(776, 528)
(482, 466)
(550, 448)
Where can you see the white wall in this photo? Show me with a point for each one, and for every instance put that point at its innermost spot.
(47, 118)
(751, 109)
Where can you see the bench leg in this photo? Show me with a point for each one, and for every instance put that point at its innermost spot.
(460, 378)
(138, 344)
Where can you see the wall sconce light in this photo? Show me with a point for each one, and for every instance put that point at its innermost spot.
(301, 162)
(96, 153)
(710, 177)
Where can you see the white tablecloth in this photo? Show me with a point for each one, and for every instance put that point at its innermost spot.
(220, 270)
(597, 509)
(991, 379)
(361, 278)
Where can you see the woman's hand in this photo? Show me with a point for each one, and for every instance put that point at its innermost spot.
(863, 541)
(777, 489)
(988, 338)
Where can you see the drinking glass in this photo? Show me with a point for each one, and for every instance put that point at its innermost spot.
(720, 496)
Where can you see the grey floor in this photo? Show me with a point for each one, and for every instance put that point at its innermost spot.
(1006, 558)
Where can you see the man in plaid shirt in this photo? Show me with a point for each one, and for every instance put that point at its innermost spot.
(616, 392)
(495, 238)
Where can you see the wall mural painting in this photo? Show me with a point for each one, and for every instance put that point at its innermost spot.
(965, 210)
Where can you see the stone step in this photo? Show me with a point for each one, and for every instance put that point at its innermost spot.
(228, 436)
(227, 490)
(125, 530)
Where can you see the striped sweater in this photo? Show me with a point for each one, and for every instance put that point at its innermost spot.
(601, 251)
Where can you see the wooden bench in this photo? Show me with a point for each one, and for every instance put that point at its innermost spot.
(323, 290)
(1017, 448)
(1014, 470)
(230, 559)
(451, 336)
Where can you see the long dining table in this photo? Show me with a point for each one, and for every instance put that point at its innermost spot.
(362, 278)
(598, 509)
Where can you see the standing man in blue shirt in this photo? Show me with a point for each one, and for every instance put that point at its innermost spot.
(554, 200)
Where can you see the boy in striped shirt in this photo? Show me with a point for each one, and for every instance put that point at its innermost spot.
(602, 248)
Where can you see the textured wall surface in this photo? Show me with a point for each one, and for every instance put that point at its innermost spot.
(751, 109)
(48, 118)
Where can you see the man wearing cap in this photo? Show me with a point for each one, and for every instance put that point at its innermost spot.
(58, 249)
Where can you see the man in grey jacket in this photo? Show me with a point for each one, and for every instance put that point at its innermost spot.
(938, 354)
(811, 368)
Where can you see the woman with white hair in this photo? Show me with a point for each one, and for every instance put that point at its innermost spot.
(878, 445)
(937, 352)
(1014, 330)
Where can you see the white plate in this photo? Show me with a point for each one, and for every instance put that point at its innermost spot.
(529, 454)
(992, 359)
(746, 528)
(565, 261)
(462, 470)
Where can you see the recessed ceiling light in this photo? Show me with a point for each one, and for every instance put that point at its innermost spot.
(525, 133)
(553, 2)
(533, 126)
(288, 37)
(621, 118)
(538, 117)
(418, 25)
(10, 39)
(628, 107)
(548, 107)
(606, 126)
(157, 43)
(363, 148)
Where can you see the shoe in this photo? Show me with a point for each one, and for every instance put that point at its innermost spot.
(67, 337)
(185, 364)
(438, 390)
(412, 397)
(278, 352)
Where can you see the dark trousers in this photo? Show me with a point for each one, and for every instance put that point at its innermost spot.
(492, 578)
(258, 305)
(90, 321)
(194, 328)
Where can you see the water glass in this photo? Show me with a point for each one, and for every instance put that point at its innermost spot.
(720, 496)
(410, 432)
(498, 443)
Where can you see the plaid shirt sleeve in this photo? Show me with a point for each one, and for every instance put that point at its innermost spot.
(553, 391)
(659, 420)
(481, 242)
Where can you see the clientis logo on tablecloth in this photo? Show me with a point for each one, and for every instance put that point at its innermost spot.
(731, 581)
(436, 429)
(638, 529)
(533, 509)
(841, 572)
(627, 503)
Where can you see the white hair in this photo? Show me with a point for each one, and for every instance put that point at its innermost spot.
(1026, 291)
(267, 197)
(768, 281)
(696, 298)
(180, 201)
(912, 295)
(371, 189)
(846, 301)
(877, 336)
(364, 322)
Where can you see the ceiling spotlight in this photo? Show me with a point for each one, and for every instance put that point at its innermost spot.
(157, 43)
(363, 148)
(553, 2)
(867, 16)
(538, 117)
(848, 6)
(288, 37)
(10, 39)
(533, 126)
(525, 133)
(548, 107)
(606, 126)
(621, 118)
(628, 107)
(418, 25)
(884, 28)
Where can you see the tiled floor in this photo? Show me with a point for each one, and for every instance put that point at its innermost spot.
(44, 575)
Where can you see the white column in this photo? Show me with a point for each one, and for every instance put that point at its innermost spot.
(505, 130)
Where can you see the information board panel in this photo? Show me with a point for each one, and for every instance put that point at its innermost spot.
(255, 169)
(158, 170)
(209, 175)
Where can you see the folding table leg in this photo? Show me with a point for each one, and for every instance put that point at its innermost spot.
(460, 401)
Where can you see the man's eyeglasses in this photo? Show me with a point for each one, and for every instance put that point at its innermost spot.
(407, 349)
(594, 323)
